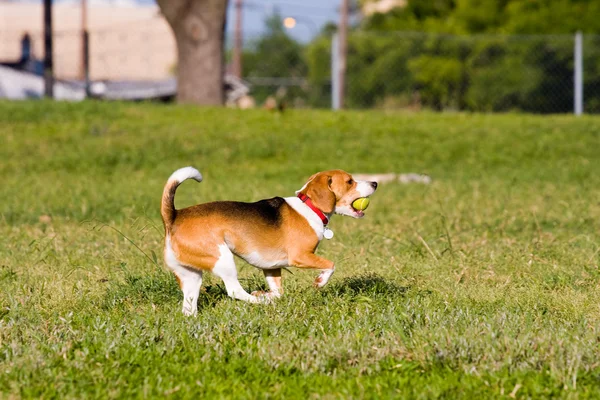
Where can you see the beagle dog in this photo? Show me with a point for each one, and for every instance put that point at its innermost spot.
(269, 234)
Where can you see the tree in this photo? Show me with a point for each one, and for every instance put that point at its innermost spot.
(275, 55)
(199, 29)
(465, 56)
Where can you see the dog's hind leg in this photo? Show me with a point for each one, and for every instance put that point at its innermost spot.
(225, 269)
(190, 281)
(273, 277)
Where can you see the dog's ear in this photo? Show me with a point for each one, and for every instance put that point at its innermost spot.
(303, 188)
(318, 189)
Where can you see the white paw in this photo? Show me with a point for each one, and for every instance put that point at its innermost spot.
(188, 312)
(265, 297)
(323, 278)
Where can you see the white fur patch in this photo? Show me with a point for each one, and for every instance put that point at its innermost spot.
(225, 265)
(305, 185)
(191, 280)
(170, 258)
(272, 285)
(312, 218)
(346, 210)
(186, 173)
(324, 277)
(259, 261)
(364, 188)
(225, 269)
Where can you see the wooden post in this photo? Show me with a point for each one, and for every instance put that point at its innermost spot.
(343, 49)
(237, 44)
(48, 67)
(86, 63)
(578, 75)
(82, 71)
(335, 76)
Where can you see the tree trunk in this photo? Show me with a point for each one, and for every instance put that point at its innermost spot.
(199, 29)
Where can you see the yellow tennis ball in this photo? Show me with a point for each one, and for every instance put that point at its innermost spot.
(361, 204)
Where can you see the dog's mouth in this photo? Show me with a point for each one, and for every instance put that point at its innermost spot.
(357, 213)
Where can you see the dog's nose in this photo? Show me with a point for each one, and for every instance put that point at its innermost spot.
(374, 184)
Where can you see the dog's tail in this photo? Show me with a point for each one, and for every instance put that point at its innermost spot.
(167, 206)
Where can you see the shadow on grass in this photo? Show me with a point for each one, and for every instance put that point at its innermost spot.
(161, 288)
(369, 285)
(158, 288)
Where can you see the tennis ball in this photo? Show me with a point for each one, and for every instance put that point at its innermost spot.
(361, 204)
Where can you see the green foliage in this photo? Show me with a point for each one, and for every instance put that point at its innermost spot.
(469, 56)
(483, 284)
(552, 16)
(318, 58)
(490, 16)
(275, 55)
(477, 73)
(591, 73)
(440, 78)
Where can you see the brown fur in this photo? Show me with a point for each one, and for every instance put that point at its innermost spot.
(197, 232)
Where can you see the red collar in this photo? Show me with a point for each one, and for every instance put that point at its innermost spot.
(306, 200)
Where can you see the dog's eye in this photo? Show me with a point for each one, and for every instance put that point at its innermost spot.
(350, 182)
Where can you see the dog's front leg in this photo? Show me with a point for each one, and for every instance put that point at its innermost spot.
(311, 260)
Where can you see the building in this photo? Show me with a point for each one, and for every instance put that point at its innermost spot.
(381, 6)
(127, 41)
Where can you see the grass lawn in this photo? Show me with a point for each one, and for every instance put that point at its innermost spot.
(484, 284)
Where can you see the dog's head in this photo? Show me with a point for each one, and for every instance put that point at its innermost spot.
(335, 191)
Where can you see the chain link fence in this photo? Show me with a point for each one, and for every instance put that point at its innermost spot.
(392, 70)
(400, 70)
(591, 74)
(275, 67)
(475, 73)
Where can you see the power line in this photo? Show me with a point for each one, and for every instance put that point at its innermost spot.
(269, 6)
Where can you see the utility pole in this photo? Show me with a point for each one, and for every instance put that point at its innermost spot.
(343, 49)
(578, 74)
(83, 38)
(48, 67)
(237, 44)
(85, 48)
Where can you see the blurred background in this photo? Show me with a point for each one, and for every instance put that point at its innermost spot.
(538, 56)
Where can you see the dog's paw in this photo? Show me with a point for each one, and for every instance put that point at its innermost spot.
(265, 297)
(323, 278)
(188, 312)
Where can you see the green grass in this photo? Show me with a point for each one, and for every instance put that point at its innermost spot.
(484, 284)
